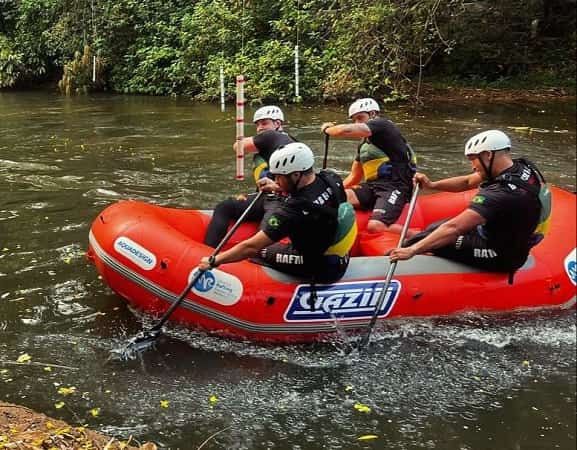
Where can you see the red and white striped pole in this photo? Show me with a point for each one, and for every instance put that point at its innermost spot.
(240, 127)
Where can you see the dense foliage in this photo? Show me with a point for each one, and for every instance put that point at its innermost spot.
(347, 48)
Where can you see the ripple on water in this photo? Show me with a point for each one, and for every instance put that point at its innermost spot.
(8, 214)
(67, 297)
(34, 315)
(27, 166)
(100, 193)
(70, 227)
(71, 251)
(44, 182)
(38, 205)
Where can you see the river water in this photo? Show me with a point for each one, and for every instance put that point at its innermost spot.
(473, 382)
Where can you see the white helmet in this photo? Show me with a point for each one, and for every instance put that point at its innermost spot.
(487, 141)
(293, 157)
(363, 105)
(268, 112)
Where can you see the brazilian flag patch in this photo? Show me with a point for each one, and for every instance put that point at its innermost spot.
(273, 222)
(479, 199)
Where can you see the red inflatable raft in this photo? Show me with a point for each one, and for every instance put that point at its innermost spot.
(147, 254)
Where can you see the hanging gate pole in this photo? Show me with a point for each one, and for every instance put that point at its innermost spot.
(222, 103)
(93, 39)
(297, 81)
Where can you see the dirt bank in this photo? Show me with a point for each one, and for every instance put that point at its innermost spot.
(23, 429)
(428, 93)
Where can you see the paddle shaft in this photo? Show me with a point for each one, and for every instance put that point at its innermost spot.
(197, 276)
(391, 270)
(325, 160)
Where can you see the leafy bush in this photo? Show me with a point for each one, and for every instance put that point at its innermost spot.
(10, 64)
(82, 74)
(348, 48)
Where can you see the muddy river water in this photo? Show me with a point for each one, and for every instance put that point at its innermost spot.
(473, 382)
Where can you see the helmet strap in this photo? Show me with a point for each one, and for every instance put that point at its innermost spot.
(491, 161)
(488, 170)
(295, 184)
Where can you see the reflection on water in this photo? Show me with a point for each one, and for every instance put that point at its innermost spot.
(472, 383)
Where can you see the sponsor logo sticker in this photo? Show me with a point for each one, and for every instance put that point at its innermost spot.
(352, 300)
(218, 286)
(136, 253)
(571, 266)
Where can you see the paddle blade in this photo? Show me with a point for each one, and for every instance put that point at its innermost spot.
(138, 344)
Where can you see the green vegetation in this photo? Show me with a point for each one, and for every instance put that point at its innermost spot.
(382, 48)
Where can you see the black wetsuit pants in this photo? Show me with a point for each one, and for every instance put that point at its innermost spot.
(285, 258)
(231, 209)
(471, 248)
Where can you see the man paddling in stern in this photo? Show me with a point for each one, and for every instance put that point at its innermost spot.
(507, 217)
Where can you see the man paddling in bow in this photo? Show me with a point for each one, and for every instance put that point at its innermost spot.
(507, 217)
(385, 161)
(314, 215)
(269, 136)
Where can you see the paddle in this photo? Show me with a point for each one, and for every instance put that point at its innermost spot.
(145, 339)
(367, 337)
(327, 137)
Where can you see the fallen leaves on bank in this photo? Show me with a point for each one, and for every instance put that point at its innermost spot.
(23, 429)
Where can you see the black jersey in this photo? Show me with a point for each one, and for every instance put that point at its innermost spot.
(385, 155)
(266, 143)
(309, 217)
(511, 213)
(386, 136)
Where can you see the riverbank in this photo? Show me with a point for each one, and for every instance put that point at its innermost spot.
(24, 429)
(445, 92)
(436, 93)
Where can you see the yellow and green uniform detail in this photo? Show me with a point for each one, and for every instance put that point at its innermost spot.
(545, 216)
(346, 231)
(372, 158)
(259, 167)
(375, 161)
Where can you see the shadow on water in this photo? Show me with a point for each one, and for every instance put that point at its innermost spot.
(475, 382)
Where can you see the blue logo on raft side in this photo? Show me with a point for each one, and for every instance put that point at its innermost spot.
(572, 271)
(355, 300)
(205, 283)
